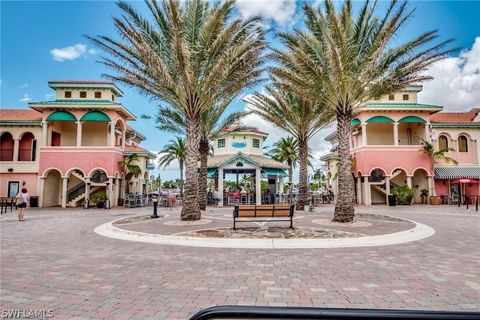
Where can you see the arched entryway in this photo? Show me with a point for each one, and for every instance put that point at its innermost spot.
(52, 189)
(419, 183)
(378, 189)
(75, 188)
(27, 148)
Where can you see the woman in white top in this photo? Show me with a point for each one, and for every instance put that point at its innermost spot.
(23, 200)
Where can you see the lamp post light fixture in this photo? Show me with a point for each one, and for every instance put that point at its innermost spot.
(155, 206)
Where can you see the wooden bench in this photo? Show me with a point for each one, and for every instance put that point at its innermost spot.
(260, 213)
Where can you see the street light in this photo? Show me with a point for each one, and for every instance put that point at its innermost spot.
(155, 205)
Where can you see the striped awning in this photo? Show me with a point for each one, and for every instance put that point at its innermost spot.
(271, 172)
(455, 172)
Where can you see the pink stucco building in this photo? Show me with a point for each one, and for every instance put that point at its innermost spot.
(67, 150)
(386, 138)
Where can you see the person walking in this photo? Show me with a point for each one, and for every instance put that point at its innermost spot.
(23, 200)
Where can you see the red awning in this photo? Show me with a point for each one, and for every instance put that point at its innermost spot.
(465, 180)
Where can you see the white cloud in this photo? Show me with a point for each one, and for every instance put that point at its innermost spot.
(25, 98)
(71, 52)
(456, 83)
(280, 11)
(23, 85)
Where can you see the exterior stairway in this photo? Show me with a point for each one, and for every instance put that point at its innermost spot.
(78, 195)
(382, 188)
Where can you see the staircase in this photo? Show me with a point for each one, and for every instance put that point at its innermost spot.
(382, 187)
(78, 195)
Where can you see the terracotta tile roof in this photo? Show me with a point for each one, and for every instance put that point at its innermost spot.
(454, 117)
(20, 115)
(135, 149)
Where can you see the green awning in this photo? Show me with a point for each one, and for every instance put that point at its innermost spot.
(380, 119)
(410, 119)
(97, 116)
(211, 173)
(356, 122)
(61, 116)
(457, 172)
(266, 172)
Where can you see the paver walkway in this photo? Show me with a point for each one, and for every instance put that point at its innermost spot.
(54, 260)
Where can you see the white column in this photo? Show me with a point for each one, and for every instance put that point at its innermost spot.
(41, 190)
(280, 187)
(16, 145)
(112, 134)
(79, 133)
(366, 186)
(110, 191)
(117, 192)
(87, 191)
(123, 138)
(220, 186)
(140, 186)
(64, 192)
(395, 133)
(431, 186)
(427, 132)
(387, 188)
(364, 134)
(258, 187)
(359, 190)
(44, 133)
(409, 181)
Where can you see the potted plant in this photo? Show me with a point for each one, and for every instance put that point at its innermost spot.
(404, 195)
(424, 195)
(99, 199)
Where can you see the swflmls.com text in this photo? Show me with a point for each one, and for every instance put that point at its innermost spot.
(26, 314)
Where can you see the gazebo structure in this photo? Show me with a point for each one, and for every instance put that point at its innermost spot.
(240, 152)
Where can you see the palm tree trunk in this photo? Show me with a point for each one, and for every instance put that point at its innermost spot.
(344, 209)
(202, 178)
(190, 209)
(180, 163)
(290, 175)
(303, 179)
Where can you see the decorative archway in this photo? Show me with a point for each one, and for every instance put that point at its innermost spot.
(380, 131)
(27, 147)
(52, 189)
(419, 183)
(6, 146)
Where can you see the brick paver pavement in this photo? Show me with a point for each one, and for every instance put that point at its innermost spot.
(55, 261)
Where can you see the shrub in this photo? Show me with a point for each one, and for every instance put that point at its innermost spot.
(404, 194)
(98, 197)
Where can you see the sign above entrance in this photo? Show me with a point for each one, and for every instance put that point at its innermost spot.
(239, 145)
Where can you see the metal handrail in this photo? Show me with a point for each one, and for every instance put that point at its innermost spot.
(285, 313)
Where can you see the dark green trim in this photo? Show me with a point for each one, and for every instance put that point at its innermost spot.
(380, 119)
(96, 116)
(456, 125)
(356, 122)
(20, 123)
(411, 119)
(61, 116)
(76, 102)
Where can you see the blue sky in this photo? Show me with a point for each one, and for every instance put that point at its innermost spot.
(31, 31)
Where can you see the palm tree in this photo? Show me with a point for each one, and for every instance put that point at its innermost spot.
(344, 60)
(286, 150)
(300, 118)
(435, 155)
(319, 176)
(174, 150)
(130, 166)
(212, 126)
(192, 56)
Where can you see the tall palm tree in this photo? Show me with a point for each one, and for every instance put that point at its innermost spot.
(212, 126)
(300, 118)
(130, 165)
(344, 59)
(286, 150)
(319, 176)
(191, 56)
(175, 150)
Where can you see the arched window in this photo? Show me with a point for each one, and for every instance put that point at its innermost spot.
(442, 142)
(462, 144)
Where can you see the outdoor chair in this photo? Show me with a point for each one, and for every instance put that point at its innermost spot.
(454, 199)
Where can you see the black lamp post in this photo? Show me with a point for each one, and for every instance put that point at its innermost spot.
(155, 206)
